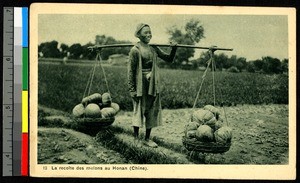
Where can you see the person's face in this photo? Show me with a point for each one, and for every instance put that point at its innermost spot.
(145, 34)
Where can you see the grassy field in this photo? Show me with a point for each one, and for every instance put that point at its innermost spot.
(62, 87)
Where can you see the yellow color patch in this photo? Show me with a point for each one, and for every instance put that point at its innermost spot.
(24, 111)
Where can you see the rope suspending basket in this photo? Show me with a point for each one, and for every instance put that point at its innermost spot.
(206, 131)
(95, 110)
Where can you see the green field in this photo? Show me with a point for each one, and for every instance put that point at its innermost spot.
(62, 87)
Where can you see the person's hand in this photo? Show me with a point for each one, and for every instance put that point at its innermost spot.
(134, 96)
(148, 76)
(212, 48)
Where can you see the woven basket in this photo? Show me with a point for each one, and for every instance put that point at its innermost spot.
(207, 147)
(94, 123)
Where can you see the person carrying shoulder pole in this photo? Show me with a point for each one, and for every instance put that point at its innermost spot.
(144, 82)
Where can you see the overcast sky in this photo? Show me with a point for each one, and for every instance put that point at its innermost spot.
(252, 36)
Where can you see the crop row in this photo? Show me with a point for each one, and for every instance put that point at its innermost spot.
(63, 86)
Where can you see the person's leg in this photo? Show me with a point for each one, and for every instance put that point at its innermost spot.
(150, 120)
(148, 132)
(149, 142)
(137, 118)
(136, 139)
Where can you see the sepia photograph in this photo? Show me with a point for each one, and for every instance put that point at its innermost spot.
(157, 91)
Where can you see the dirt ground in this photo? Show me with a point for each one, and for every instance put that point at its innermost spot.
(65, 146)
(260, 136)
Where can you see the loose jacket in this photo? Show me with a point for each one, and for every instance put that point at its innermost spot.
(135, 83)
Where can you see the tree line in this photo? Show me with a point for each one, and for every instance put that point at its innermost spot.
(267, 64)
(190, 34)
(52, 49)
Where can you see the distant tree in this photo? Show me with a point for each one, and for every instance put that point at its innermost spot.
(203, 59)
(194, 64)
(104, 40)
(64, 48)
(241, 63)
(258, 64)
(106, 52)
(49, 49)
(285, 65)
(76, 51)
(87, 53)
(250, 66)
(271, 65)
(193, 32)
(226, 61)
(268, 65)
(232, 61)
(221, 60)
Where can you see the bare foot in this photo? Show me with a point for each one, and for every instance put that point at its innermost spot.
(150, 143)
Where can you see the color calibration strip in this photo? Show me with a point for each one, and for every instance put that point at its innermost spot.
(24, 157)
(15, 92)
(17, 124)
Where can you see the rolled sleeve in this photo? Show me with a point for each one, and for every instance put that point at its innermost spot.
(166, 57)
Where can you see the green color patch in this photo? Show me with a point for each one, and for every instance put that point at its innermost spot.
(25, 68)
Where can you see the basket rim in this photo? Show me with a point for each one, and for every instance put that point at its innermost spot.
(94, 119)
(208, 147)
(191, 141)
(94, 122)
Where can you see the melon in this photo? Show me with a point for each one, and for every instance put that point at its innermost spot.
(205, 133)
(191, 133)
(201, 116)
(192, 126)
(223, 135)
(106, 99)
(108, 112)
(221, 118)
(92, 111)
(94, 98)
(115, 106)
(211, 123)
(78, 110)
(218, 125)
(212, 109)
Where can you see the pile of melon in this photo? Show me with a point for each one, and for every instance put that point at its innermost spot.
(96, 106)
(206, 125)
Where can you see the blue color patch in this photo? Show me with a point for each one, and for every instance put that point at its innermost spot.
(25, 27)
